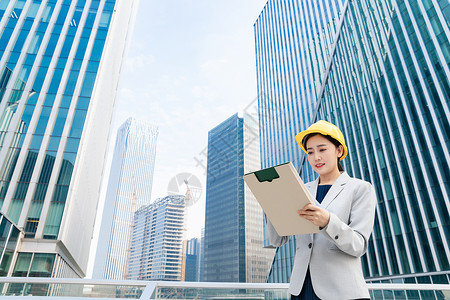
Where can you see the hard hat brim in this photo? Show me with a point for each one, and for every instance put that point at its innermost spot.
(301, 135)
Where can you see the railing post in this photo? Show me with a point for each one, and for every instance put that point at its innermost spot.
(149, 290)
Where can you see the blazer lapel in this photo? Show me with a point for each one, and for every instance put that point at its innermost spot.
(335, 189)
(312, 188)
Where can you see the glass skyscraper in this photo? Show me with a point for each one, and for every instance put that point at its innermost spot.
(156, 251)
(59, 67)
(129, 188)
(192, 258)
(379, 70)
(233, 242)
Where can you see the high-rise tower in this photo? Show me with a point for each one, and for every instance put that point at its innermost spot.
(233, 243)
(59, 68)
(156, 251)
(129, 188)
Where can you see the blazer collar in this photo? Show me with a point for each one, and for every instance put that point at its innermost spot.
(334, 191)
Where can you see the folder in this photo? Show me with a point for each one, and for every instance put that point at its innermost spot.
(281, 193)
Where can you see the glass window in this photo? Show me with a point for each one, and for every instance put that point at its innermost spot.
(53, 143)
(5, 226)
(72, 145)
(65, 101)
(81, 48)
(43, 119)
(88, 84)
(42, 265)
(46, 15)
(56, 80)
(83, 103)
(36, 142)
(78, 123)
(66, 169)
(97, 50)
(22, 265)
(71, 82)
(60, 122)
(32, 11)
(62, 14)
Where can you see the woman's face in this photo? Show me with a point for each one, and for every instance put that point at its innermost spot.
(323, 154)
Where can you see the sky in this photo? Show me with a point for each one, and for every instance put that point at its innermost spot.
(190, 65)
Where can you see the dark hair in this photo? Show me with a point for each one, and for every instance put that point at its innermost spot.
(332, 140)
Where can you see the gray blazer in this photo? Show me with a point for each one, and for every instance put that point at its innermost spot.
(333, 255)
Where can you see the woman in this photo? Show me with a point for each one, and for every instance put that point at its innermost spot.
(327, 264)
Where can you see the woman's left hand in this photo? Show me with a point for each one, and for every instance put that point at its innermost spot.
(316, 215)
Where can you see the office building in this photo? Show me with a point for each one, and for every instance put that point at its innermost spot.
(129, 188)
(59, 69)
(201, 260)
(192, 256)
(156, 251)
(379, 71)
(233, 246)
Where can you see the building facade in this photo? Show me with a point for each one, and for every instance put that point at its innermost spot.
(156, 251)
(192, 258)
(59, 68)
(233, 243)
(10, 234)
(129, 188)
(379, 71)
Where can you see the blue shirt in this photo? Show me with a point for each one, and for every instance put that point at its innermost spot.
(322, 191)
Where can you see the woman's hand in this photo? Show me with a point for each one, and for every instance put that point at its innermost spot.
(316, 215)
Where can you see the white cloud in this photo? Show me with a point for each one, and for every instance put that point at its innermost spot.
(139, 62)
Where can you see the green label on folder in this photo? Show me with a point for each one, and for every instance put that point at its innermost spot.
(268, 174)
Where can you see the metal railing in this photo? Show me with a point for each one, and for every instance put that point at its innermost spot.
(67, 288)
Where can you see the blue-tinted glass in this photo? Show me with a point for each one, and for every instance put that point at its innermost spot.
(78, 123)
(47, 167)
(105, 19)
(56, 80)
(36, 141)
(29, 60)
(97, 50)
(49, 99)
(32, 98)
(92, 66)
(20, 40)
(88, 84)
(76, 65)
(72, 145)
(43, 119)
(32, 11)
(53, 143)
(60, 122)
(39, 80)
(83, 103)
(47, 14)
(65, 101)
(66, 168)
(26, 117)
(71, 82)
(62, 14)
(61, 64)
(67, 46)
(51, 48)
(90, 20)
(5, 37)
(81, 48)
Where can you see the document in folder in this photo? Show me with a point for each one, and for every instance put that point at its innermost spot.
(281, 193)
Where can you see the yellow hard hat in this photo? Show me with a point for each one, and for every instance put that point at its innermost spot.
(324, 128)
